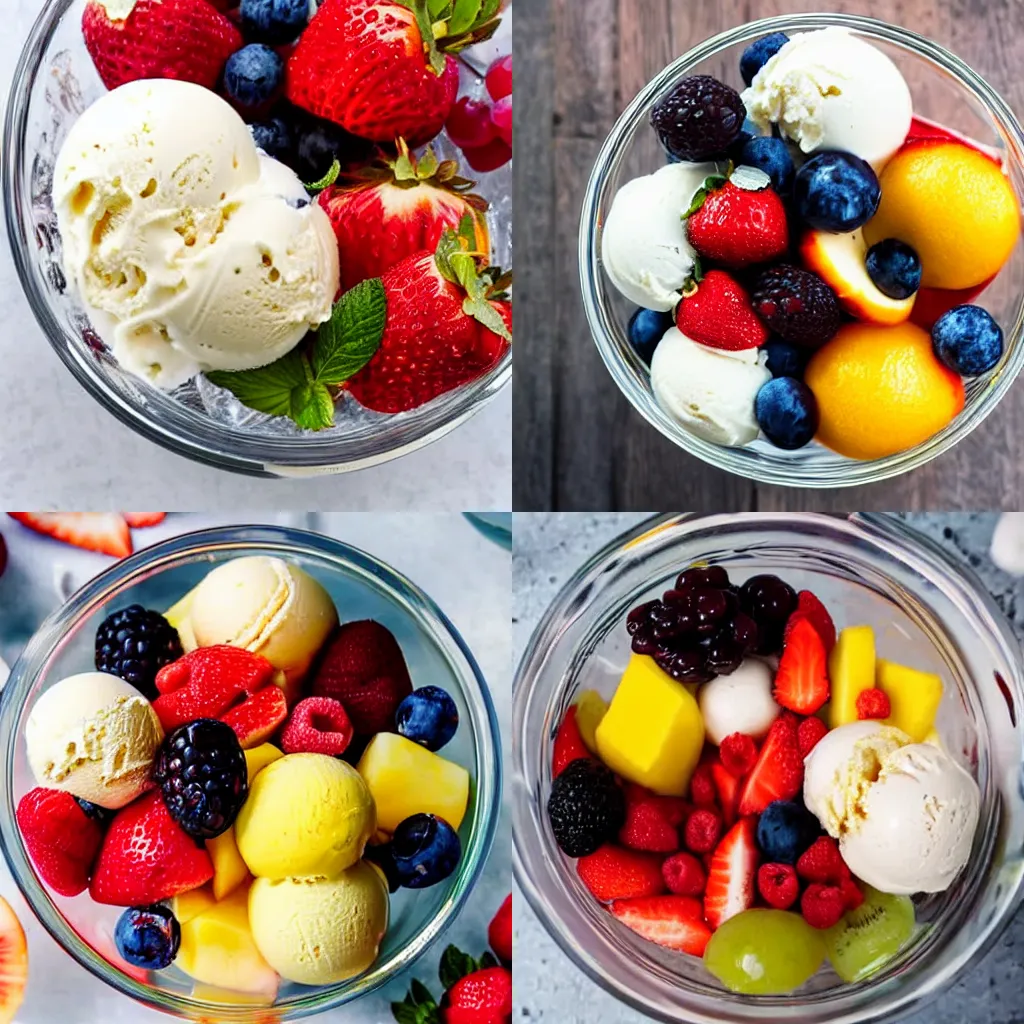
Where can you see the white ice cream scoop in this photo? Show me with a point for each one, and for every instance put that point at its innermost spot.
(739, 702)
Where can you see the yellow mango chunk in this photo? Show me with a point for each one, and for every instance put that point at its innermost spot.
(407, 779)
(653, 732)
(257, 758)
(179, 616)
(851, 671)
(914, 696)
(591, 707)
(217, 949)
(192, 904)
(229, 870)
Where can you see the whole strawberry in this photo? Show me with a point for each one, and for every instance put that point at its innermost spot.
(739, 227)
(719, 314)
(448, 323)
(396, 208)
(185, 39)
(499, 934)
(483, 997)
(383, 69)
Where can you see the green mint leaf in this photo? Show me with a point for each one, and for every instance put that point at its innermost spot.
(313, 406)
(454, 965)
(464, 16)
(348, 341)
(439, 9)
(489, 9)
(268, 389)
(328, 179)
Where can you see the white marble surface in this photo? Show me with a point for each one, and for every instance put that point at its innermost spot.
(549, 987)
(469, 578)
(59, 448)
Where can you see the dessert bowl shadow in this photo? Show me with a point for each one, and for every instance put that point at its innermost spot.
(945, 90)
(361, 587)
(927, 610)
(54, 81)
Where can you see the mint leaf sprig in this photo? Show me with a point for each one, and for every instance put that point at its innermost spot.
(302, 385)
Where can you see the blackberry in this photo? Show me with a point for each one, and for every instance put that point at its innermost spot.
(699, 119)
(797, 305)
(135, 643)
(201, 770)
(586, 807)
(769, 601)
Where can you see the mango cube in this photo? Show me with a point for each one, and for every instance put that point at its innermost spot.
(193, 903)
(257, 758)
(229, 870)
(179, 616)
(914, 696)
(653, 732)
(851, 671)
(407, 779)
(591, 707)
(217, 948)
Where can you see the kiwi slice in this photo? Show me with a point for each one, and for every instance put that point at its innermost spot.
(870, 936)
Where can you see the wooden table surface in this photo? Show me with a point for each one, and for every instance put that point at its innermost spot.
(578, 444)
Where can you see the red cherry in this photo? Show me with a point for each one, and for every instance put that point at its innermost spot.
(469, 124)
(501, 115)
(495, 154)
(499, 78)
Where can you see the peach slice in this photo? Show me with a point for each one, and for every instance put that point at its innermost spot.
(839, 260)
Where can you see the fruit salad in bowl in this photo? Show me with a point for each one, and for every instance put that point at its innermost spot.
(249, 771)
(817, 280)
(275, 236)
(768, 782)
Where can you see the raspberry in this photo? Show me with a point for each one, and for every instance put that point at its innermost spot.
(852, 896)
(797, 305)
(702, 831)
(809, 734)
(738, 753)
(652, 821)
(702, 787)
(873, 703)
(822, 905)
(684, 875)
(778, 885)
(700, 118)
(317, 725)
(822, 862)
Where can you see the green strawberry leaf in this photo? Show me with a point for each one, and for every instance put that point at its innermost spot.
(440, 9)
(328, 179)
(698, 269)
(285, 387)
(425, 22)
(348, 341)
(488, 960)
(489, 9)
(454, 966)
(712, 183)
(464, 15)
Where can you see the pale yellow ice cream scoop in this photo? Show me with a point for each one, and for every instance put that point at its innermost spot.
(94, 736)
(319, 931)
(307, 814)
(267, 606)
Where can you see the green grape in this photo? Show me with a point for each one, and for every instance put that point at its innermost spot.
(764, 952)
(870, 936)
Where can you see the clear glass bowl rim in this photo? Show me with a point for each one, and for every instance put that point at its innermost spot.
(272, 539)
(177, 427)
(741, 461)
(880, 528)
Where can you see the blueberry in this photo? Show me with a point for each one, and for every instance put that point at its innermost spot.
(646, 328)
(426, 850)
(786, 828)
(894, 267)
(771, 156)
(274, 21)
(787, 412)
(786, 359)
(252, 76)
(836, 191)
(94, 811)
(148, 937)
(428, 716)
(274, 137)
(759, 52)
(318, 143)
(968, 340)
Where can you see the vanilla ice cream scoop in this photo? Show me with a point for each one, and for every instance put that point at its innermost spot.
(709, 391)
(191, 250)
(739, 702)
(94, 736)
(644, 247)
(829, 89)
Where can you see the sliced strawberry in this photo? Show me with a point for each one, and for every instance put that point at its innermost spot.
(801, 682)
(614, 873)
(728, 789)
(569, 745)
(675, 922)
(779, 772)
(138, 520)
(61, 839)
(105, 532)
(731, 877)
(719, 314)
(809, 607)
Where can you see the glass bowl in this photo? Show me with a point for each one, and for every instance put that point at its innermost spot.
(928, 611)
(944, 90)
(361, 587)
(55, 80)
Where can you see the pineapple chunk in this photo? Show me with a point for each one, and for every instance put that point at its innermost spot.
(217, 948)
(591, 707)
(914, 696)
(407, 779)
(653, 732)
(179, 616)
(851, 671)
(257, 758)
(193, 903)
(229, 870)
